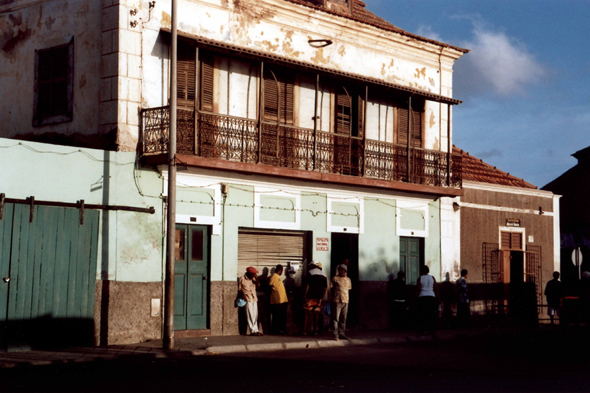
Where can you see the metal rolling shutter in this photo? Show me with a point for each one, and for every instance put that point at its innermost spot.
(268, 249)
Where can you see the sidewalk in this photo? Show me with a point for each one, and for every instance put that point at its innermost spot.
(214, 345)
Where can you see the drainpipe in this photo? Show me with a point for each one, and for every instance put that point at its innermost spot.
(409, 142)
(168, 341)
(449, 146)
(315, 122)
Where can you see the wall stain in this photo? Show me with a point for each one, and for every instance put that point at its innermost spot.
(14, 33)
(289, 50)
(166, 19)
(268, 45)
(431, 80)
(420, 72)
(49, 22)
(82, 81)
(319, 57)
(342, 50)
(432, 121)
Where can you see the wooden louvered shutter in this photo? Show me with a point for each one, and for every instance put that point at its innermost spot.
(402, 125)
(186, 74)
(266, 250)
(343, 112)
(511, 240)
(288, 102)
(207, 67)
(271, 97)
(279, 91)
(516, 241)
(417, 124)
(505, 238)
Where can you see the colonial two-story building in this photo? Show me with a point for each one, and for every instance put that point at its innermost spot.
(307, 130)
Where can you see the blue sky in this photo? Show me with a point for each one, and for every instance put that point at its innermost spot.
(525, 84)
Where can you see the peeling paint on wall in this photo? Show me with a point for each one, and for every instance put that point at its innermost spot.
(432, 120)
(14, 33)
(166, 19)
(319, 57)
(420, 73)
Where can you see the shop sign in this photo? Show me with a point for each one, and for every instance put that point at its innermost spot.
(322, 244)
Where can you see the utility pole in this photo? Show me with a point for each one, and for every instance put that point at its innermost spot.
(168, 340)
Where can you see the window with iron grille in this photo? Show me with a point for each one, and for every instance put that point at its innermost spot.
(54, 90)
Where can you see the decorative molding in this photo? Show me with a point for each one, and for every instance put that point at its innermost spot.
(293, 197)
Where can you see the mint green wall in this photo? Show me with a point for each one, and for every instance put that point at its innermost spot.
(130, 243)
(432, 257)
(314, 218)
(379, 244)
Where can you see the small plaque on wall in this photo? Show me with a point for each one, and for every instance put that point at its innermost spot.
(322, 244)
(512, 222)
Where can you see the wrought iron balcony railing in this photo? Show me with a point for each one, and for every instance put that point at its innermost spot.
(238, 139)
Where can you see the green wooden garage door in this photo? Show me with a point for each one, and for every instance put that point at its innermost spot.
(47, 273)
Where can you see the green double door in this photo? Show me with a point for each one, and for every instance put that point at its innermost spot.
(191, 291)
(411, 257)
(48, 262)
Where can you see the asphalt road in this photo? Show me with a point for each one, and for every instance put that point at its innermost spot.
(544, 361)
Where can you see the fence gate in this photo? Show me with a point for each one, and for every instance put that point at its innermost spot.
(492, 273)
(48, 260)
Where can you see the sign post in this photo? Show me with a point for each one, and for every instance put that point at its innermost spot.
(577, 260)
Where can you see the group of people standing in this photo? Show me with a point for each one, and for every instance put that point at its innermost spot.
(319, 299)
(427, 302)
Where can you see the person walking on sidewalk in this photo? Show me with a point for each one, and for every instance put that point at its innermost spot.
(341, 285)
(278, 302)
(427, 303)
(554, 294)
(463, 314)
(315, 290)
(247, 286)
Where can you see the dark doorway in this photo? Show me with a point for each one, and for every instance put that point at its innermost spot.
(346, 246)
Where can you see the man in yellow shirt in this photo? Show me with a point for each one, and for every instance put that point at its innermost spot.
(278, 302)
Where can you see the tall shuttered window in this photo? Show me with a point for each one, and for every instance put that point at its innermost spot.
(186, 74)
(54, 90)
(279, 89)
(349, 111)
(403, 113)
(207, 90)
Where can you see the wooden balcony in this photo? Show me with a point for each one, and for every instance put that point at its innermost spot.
(241, 140)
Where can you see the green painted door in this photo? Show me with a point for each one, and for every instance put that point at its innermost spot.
(48, 274)
(191, 293)
(410, 250)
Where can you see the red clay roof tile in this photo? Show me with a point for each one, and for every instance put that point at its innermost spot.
(475, 169)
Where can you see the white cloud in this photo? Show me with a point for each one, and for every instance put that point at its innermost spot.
(496, 63)
(426, 31)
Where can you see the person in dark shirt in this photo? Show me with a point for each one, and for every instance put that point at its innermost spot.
(398, 305)
(463, 313)
(315, 291)
(554, 294)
